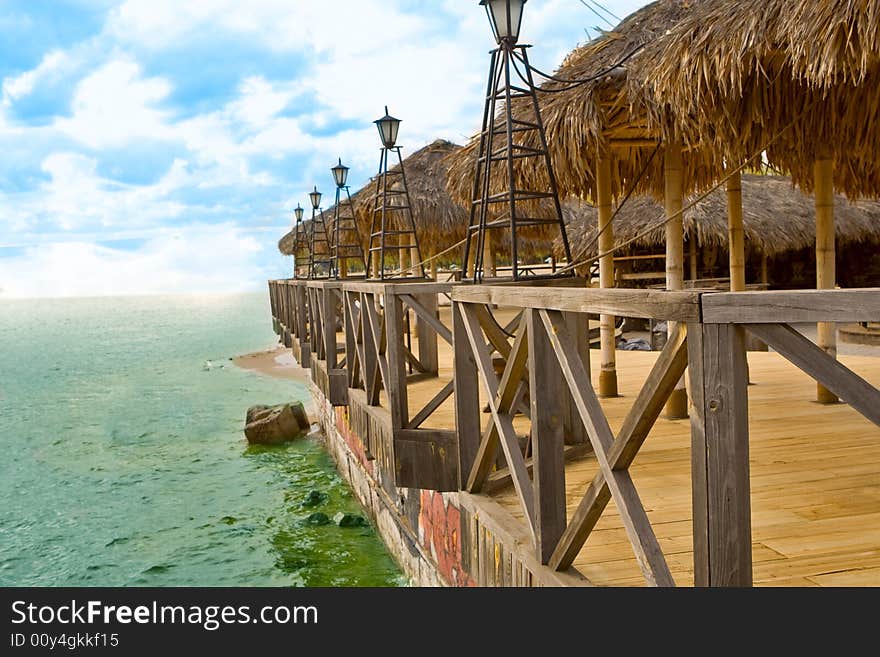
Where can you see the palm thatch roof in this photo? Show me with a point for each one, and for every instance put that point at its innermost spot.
(605, 116)
(285, 244)
(734, 74)
(440, 222)
(776, 218)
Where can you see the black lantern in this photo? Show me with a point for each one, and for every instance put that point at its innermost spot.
(298, 212)
(315, 197)
(340, 174)
(388, 127)
(506, 18)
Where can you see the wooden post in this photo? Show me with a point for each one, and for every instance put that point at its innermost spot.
(350, 327)
(823, 172)
(342, 263)
(467, 397)
(371, 341)
(736, 237)
(720, 455)
(765, 273)
(403, 254)
(676, 406)
(426, 335)
(607, 341)
(328, 299)
(490, 269)
(394, 353)
(692, 255)
(434, 269)
(578, 326)
(545, 395)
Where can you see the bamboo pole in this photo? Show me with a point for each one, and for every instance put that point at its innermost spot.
(676, 406)
(823, 171)
(736, 238)
(692, 256)
(765, 269)
(490, 269)
(607, 342)
(434, 268)
(403, 254)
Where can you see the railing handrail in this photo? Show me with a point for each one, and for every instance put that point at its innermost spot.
(677, 306)
(791, 306)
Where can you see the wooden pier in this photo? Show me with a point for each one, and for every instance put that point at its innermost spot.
(470, 413)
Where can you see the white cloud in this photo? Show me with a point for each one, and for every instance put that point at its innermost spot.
(282, 25)
(193, 259)
(115, 105)
(76, 198)
(23, 84)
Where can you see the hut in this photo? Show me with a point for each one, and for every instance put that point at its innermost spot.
(798, 81)
(602, 147)
(778, 220)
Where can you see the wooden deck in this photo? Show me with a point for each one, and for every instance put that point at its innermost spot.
(815, 479)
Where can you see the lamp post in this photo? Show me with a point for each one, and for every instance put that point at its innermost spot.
(513, 206)
(299, 242)
(346, 242)
(392, 210)
(318, 235)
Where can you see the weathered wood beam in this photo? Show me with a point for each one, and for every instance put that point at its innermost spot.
(428, 317)
(467, 396)
(548, 440)
(679, 306)
(661, 381)
(431, 406)
(511, 382)
(792, 306)
(826, 370)
(504, 421)
(632, 514)
(720, 455)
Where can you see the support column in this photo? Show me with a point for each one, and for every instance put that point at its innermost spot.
(692, 256)
(823, 172)
(434, 269)
(720, 455)
(676, 406)
(426, 335)
(490, 268)
(545, 395)
(607, 341)
(736, 237)
(765, 273)
(403, 254)
(467, 397)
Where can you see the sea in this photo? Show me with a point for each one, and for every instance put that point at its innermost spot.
(124, 461)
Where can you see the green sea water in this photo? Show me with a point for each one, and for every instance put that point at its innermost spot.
(123, 459)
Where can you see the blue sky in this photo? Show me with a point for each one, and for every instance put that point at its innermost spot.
(157, 146)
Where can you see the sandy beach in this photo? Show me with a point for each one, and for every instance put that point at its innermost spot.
(276, 362)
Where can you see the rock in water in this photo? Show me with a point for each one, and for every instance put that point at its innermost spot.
(271, 425)
(349, 520)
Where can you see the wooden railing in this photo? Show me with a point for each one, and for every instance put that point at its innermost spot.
(391, 341)
(542, 406)
(546, 361)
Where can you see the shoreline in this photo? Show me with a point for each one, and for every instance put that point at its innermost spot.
(276, 362)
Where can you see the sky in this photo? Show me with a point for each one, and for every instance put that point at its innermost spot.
(159, 146)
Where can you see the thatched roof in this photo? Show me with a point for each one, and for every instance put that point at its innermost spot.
(285, 244)
(603, 116)
(440, 222)
(735, 73)
(776, 218)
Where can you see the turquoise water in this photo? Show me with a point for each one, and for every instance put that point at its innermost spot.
(124, 462)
